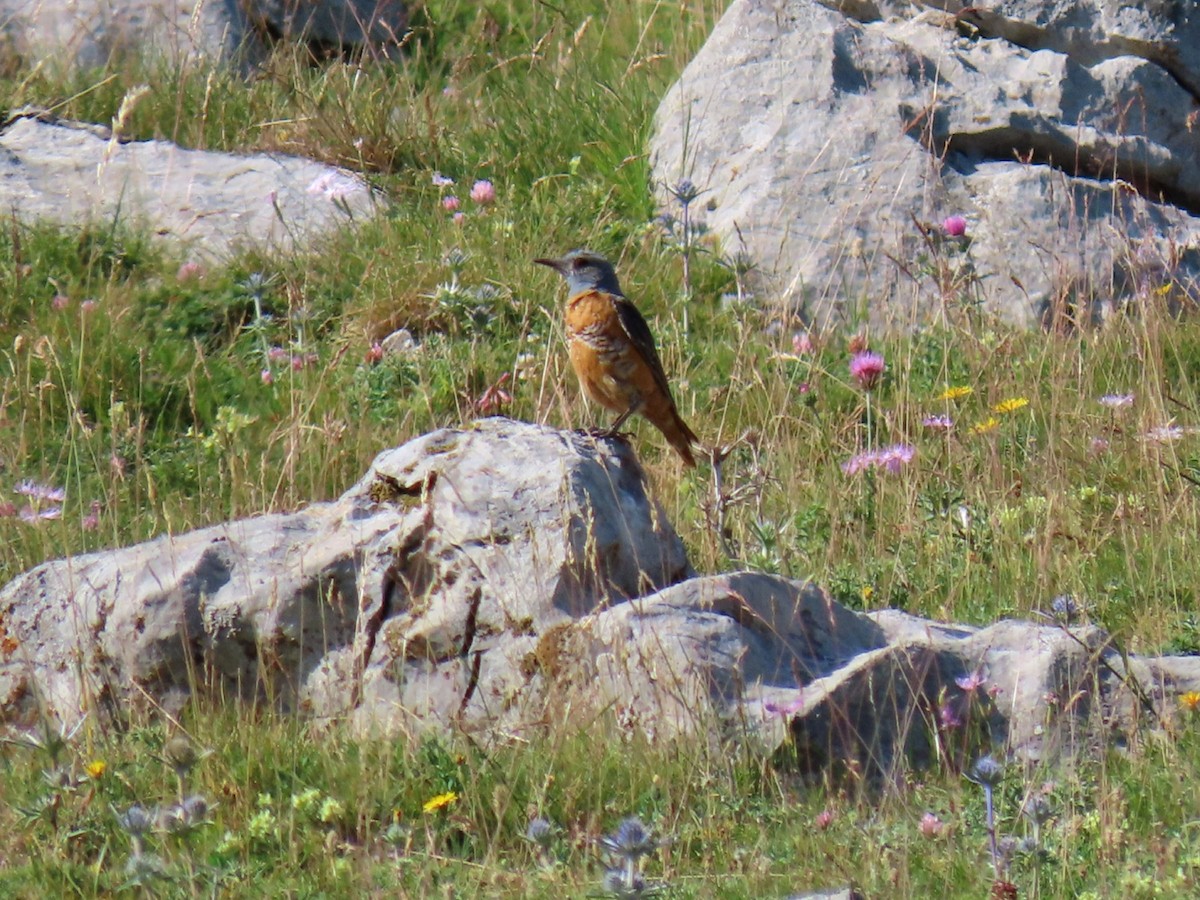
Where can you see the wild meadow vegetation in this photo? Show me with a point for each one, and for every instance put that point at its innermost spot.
(963, 471)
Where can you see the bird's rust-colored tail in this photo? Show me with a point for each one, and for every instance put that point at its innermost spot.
(678, 435)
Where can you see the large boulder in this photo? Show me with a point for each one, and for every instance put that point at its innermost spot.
(506, 577)
(207, 203)
(832, 139)
(457, 542)
(91, 33)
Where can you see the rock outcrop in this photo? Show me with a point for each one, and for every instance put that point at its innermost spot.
(507, 577)
(831, 140)
(208, 204)
(91, 33)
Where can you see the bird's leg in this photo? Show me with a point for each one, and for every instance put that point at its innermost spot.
(615, 428)
(621, 420)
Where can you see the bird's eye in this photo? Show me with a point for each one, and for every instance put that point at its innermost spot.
(578, 263)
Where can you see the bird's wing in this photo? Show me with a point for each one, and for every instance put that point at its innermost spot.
(639, 333)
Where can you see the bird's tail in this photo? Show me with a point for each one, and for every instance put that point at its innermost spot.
(680, 437)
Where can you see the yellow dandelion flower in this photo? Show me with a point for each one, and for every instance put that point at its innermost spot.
(95, 768)
(955, 393)
(991, 423)
(1165, 289)
(1012, 404)
(1191, 700)
(435, 803)
(867, 593)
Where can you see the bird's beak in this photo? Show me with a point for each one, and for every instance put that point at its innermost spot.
(555, 264)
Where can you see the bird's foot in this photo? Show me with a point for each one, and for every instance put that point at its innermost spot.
(607, 434)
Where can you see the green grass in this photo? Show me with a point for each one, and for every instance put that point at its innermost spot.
(150, 408)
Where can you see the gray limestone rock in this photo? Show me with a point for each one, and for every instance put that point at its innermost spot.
(92, 33)
(506, 577)
(209, 204)
(834, 139)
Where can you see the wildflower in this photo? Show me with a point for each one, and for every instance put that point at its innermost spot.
(267, 376)
(31, 515)
(1037, 809)
(1064, 607)
(276, 354)
(539, 832)
(458, 218)
(866, 368)
(88, 305)
(60, 302)
(949, 716)
(1012, 404)
(40, 491)
(824, 819)
(622, 883)
(331, 810)
(866, 593)
(802, 343)
(7, 510)
(1116, 401)
(889, 458)
(306, 801)
(630, 841)
(262, 825)
(987, 772)
(991, 423)
(1164, 434)
(136, 820)
(938, 423)
(1190, 701)
(483, 192)
(931, 826)
(92, 520)
(441, 800)
(334, 186)
(440, 180)
(954, 226)
(189, 271)
(450, 203)
(1098, 445)
(955, 393)
(195, 809)
(180, 754)
(96, 769)
(785, 709)
(494, 396)
(971, 683)
(856, 344)
(684, 191)
(895, 456)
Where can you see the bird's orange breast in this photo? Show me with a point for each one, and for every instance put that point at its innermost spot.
(609, 367)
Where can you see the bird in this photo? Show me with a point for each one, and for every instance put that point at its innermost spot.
(612, 350)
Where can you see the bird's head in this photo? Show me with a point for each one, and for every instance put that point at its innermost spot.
(585, 271)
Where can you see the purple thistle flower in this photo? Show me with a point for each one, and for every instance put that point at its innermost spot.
(440, 180)
(938, 423)
(949, 717)
(954, 226)
(40, 491)
(890, 458)
(785, 709)
(971, 683)
(1116, 401)
(31, 515)
(867, 368)
(895, 456)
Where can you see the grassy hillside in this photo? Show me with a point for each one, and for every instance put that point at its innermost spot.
(158, 394)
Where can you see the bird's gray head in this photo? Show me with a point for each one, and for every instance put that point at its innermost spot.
(585, 271)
